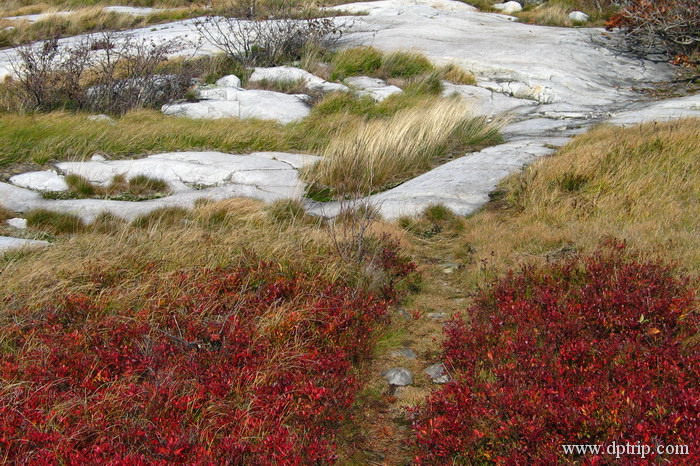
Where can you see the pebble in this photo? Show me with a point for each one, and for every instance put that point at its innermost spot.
(398, 376)
(437, 373)
(405, 353)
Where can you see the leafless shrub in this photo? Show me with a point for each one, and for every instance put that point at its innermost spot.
(259, 42)
(671, 26)
(107, 73)
(349, 230)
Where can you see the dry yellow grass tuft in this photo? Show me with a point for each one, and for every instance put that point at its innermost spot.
(547, 15)
(374, 155)
(215, 234)
(83, 20)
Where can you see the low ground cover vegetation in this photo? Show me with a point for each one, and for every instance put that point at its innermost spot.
(587, 351)
(635, 184)
(247, 349)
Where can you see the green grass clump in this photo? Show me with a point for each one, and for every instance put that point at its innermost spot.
(404, 65)
(80, 186)
(457, 75)
(55, 223)
(345, 102)
(143, 185)
(356, 61)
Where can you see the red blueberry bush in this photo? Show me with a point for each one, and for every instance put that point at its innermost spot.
(251, 365)
(589, 351)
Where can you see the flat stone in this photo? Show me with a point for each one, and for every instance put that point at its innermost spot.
(436, 315)
(437, 373)
(7, 243)
(19, 223)
(488, 102)
(290, 73)
(17, 199)
(407, 353)
(398, 376)
(373, 87)
(47, 180)
(268, 176)
(229, 102)
(665, 110)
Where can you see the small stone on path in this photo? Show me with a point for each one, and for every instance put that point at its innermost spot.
(405, 353)
(398, 376)
(437, 373)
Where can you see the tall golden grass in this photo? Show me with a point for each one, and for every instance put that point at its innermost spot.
(639, 184)
(373, 155)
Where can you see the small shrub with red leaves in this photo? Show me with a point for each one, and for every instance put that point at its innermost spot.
(589, 351)
(248, 366)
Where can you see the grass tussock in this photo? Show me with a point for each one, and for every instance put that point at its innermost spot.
(378, 154)
(399, 66)
(457, 75)
(5, 213)
(54, 223)
(137, 188)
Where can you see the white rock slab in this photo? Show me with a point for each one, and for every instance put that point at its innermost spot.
(290, 73)
(8, 243)
(19, 223)
(489, 102)
(373, 87)
(665, 110)
(553, 64)
(193, 175)
(17, 199)
(229, 102)
(196, 168)
(534, 126)
(47, 180)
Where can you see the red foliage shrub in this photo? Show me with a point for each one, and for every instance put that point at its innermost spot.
(586, 352)
(243, 366)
